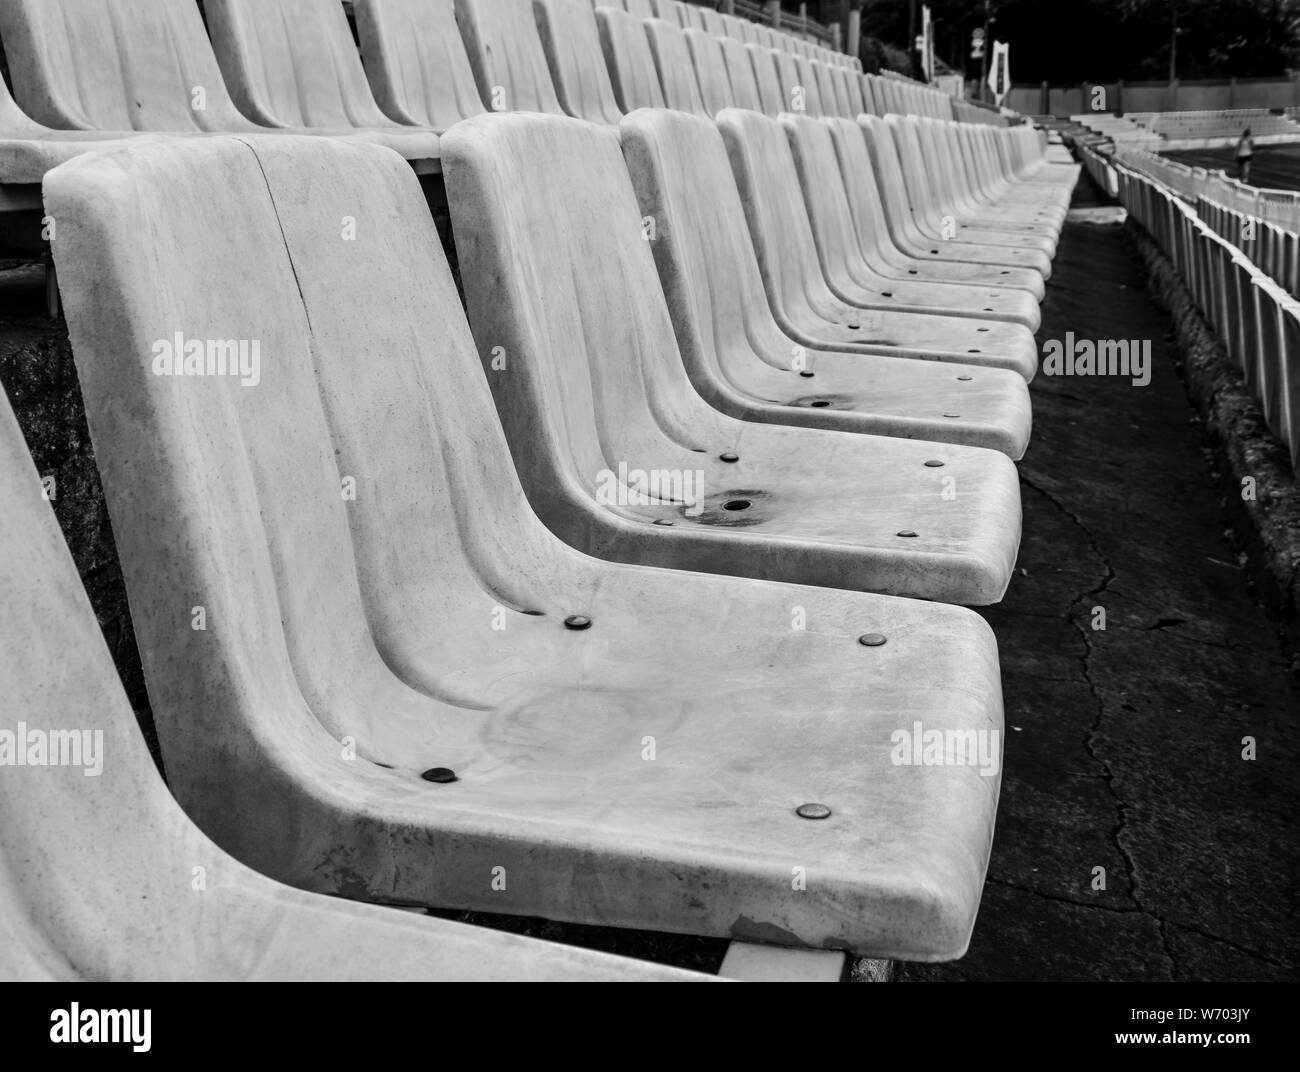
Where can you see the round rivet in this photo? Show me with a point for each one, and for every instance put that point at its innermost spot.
(806, 375)
(871, 640)
(963, 377)
(908, 533)
(729, 457)
(442, 775)
(577, 621)
(813, 811)
(662, 521)
(934, 463)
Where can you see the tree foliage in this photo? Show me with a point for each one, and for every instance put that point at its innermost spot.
(1070, 41)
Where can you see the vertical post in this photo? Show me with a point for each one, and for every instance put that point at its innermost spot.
(1232, 93)
(853, 44)
(1173, 46)
(728, 7)
(773, 10)
(1046, 99)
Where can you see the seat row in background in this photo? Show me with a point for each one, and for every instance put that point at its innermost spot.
(401, 643)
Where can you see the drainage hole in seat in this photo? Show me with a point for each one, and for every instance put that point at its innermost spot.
(737, 504)
(821, 403)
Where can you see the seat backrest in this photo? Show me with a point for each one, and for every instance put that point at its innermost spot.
(691, 15)
(731, 24)
(711, 71)
(416, 61)
(292, 63)
(772, 94)
(573, 52)
(672, 58)
(569, 283)
(712, 21)
(629, 59)
(702, 246)
(799, 92)
(642, 9)
(116, 65)
(740, 73)
(227, 497)
(669, 11)
(506, 56)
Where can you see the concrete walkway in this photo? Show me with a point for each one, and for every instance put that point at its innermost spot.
(1124, 747)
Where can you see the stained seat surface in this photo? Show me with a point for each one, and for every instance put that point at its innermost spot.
(735, 352)
(372, 575)
(102, 876)
(568, 284)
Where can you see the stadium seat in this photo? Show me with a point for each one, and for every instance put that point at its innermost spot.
(930, 206)
(799, 91)
(293, 64)
(851, 275)
(630, 746)
(867, 198)
(631, 64)
(740, 359)
(676, 69)
(572, 45)
(416, 61)
(742, 76)
(804, 304)
(598, 378)
(711, 71)
(106, 879)
(143, 65)
(506, 56)
(995, 261)
(691, 16)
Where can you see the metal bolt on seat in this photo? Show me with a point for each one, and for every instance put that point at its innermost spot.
(813, 811)
(577, 621)
(871, 640)
(441, 775)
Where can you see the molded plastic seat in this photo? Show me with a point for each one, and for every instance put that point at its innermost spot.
(738, 357)
(740, 73)
(927, 210)
(848, 272)
(894, 185)
(416, 62)
(506, 55)
(569, 286)
(145, 65)
(28, 150)
(802, 299)
(711, 71)
(103, 877)
(630, 62)
(672, 59)
(573, 53)
(642, 771)
(867, 198)
(293, 64)
(771, 94)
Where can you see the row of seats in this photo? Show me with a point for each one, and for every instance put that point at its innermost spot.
(438, 662)
(1218, 123)
(1255, 318)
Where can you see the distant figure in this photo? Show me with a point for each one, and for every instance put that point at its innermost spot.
(1245, 153)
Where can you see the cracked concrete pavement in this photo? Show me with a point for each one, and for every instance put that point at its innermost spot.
(1124, 745)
